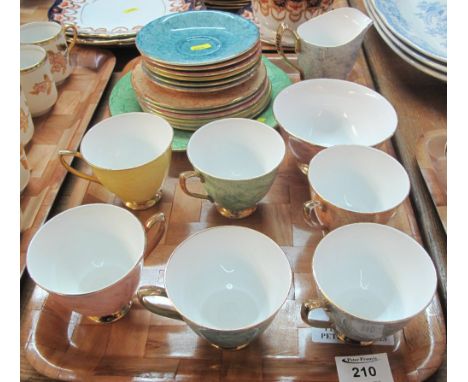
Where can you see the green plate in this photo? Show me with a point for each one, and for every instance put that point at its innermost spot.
(123, 100)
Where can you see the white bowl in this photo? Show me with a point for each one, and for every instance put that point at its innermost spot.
(320, 113)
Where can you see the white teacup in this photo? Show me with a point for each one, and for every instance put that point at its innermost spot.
(90, 258)
(36, 80)
(227, 283)
(26, 122)
(351, 184)
(316, 114)
(51, 36)
(372, 280)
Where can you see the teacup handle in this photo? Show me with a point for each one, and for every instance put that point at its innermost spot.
(166, 311)
(66, 153)
(310, 216)
(158, 219)
(308, 307)
(75, 35)
(183, 184)
(297, 46)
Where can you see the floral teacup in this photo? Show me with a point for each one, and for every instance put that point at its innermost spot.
(51, 37)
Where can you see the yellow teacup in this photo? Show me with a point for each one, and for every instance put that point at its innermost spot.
(129, 154)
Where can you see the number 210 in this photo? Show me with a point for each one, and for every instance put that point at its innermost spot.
(369, 371)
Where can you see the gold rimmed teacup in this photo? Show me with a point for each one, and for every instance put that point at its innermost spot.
(351, 184)
(37, 82)
(51, 36)
(129, 154)
(372, 280)
(230, 293)
(236, 160)
(89, 258)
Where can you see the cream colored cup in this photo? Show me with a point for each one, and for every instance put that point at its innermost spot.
(372, 280)
(26, 122)
(351, 184)
(25, 171)
(51, 36)
(90, 258)
(36, 80)
(227, 283)
(129, 154)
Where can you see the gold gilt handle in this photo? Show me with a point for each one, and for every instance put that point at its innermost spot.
(308, 307)
(75, 35)
(66, 153)
(183, 184)
(309, 214)
(297, 46)
(165, 310)
(158, 220)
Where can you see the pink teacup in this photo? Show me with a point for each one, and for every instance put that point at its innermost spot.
(90, 258)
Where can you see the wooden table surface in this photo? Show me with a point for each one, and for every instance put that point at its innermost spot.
(421, 105)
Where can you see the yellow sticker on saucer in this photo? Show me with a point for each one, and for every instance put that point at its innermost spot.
(261, 119)
(201, 47)
(130, 10)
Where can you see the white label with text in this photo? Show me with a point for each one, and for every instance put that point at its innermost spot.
(364, 368)
(328, 336)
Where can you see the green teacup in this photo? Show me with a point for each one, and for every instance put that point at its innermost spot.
(236, 159)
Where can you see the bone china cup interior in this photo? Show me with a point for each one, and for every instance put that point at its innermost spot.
(351, 184)
(90, 258)
(130, 155)
(237, 160)
(227, 283)
(320, 113)
(372, 280)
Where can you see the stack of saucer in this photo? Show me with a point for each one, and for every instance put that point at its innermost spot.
(202, 66)
(226, 5)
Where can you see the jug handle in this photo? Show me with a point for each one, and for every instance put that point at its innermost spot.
(297, 46)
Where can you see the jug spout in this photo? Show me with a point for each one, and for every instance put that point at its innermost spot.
(336, 28)
(328, 44)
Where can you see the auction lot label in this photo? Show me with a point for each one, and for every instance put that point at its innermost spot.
(364, 368)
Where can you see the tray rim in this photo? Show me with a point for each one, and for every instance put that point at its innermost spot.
(425, 165)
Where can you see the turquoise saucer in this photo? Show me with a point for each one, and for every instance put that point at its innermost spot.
(197, 38)
(123, 100)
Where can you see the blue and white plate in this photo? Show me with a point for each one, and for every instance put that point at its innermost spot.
(412, 57)
(422, 24)
(197, 38)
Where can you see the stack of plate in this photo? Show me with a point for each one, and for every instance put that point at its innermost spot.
(416, 30)
(226, 5)
(200, 66)
(110, 22)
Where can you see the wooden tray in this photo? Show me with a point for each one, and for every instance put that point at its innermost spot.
(144, 347)
(432, 161)
(62, 128)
